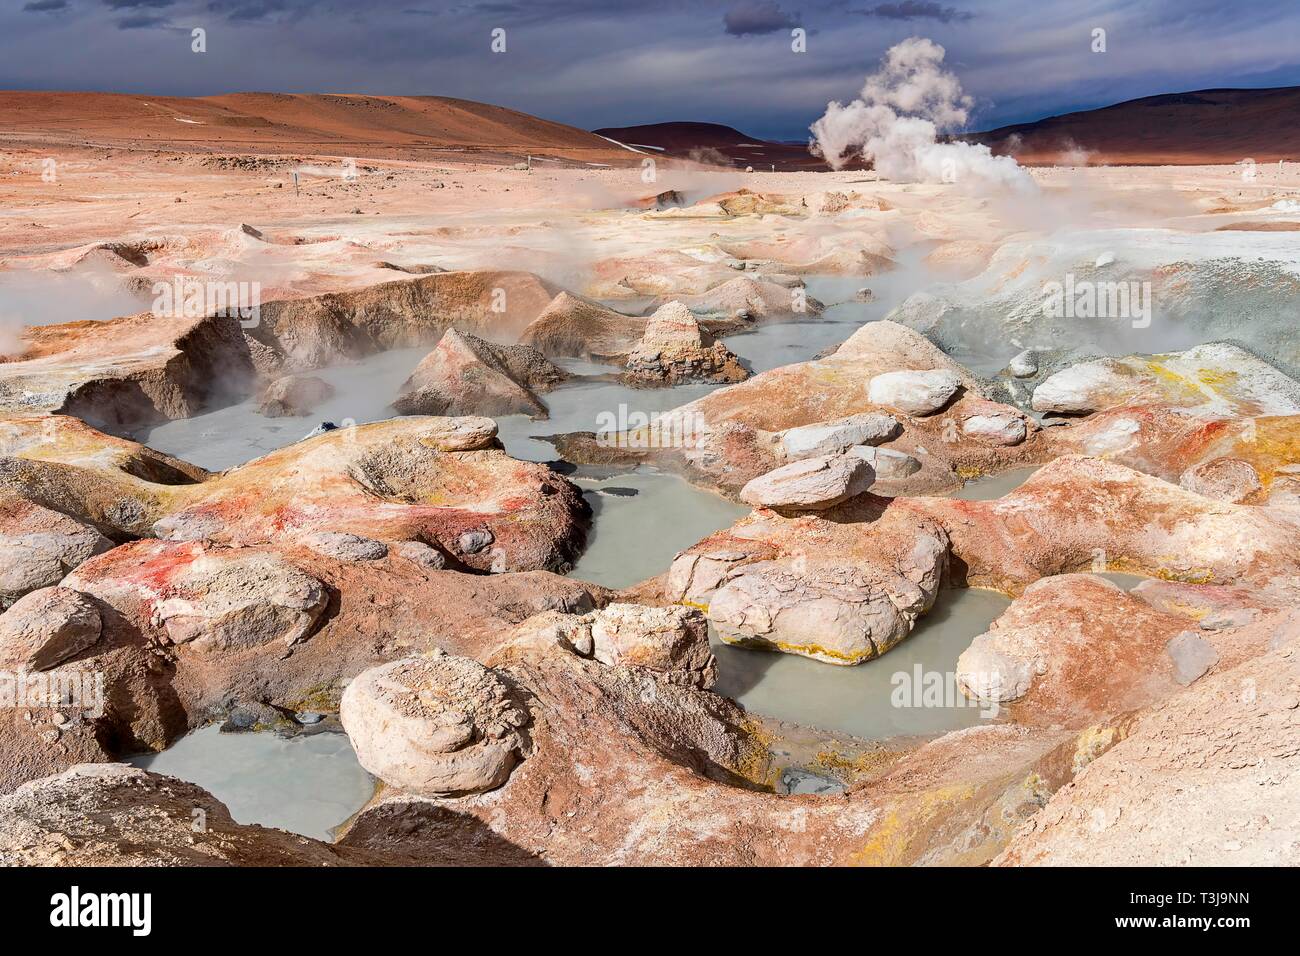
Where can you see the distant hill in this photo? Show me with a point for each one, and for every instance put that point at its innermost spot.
(713, 142)
(362, 126)
(1202, 126)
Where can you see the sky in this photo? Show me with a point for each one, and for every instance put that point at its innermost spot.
(596, 63)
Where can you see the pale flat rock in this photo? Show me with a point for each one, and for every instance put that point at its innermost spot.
(913, 392)
(886, 463)
(834, 437)
(996, 429)
(344, 546)
(46, 627)
(1226, 479)
(1192, 655)
(809, 484)
(434, 725)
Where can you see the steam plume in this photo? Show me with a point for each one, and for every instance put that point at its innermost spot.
(896, 120)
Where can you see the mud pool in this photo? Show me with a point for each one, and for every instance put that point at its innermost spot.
(860, 700)
(307, 784)
(641, 518)
(635, 536)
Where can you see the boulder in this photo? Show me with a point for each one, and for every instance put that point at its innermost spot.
(466, 375)
(209, 598)
(1192, 656)
(834, 614)
(1226, 479)
(835, 437)
(466, 433)
(40, 546)
(44, 628)
(886, 463)
(998, 429)
(1070, 649)
(673, 641)
(421, 554)
(434, 725)
(809, 484)
(1084, 388)
(1024, 364)
(345, 547)
(573, 326)
(294, 395)
(840, 586)
(914, 392)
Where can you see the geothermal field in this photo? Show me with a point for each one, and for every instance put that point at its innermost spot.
(404, 481)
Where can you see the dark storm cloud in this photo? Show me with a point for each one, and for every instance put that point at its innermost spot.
(916, 10)
(141, 22)
(757, 17)
(253, 11)
(597, 63)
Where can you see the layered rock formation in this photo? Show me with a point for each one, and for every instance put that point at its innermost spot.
(674, 349)
(319, 330)
(441, 481)
(466, 375)
(127, 372)
(98, 814)
(699, 768)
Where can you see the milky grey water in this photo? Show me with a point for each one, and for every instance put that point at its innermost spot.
(643, 517)
(230, 436)
(866, 699)
(306, 784)
(988, 487)
(635, 536)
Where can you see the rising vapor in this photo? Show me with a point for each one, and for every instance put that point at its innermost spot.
(896, 120)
